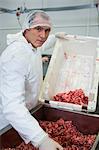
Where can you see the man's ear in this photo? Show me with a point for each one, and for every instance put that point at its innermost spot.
(25, 31)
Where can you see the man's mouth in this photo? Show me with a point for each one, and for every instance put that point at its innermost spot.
(41, 41)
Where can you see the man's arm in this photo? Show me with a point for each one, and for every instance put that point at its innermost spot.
(14, 109)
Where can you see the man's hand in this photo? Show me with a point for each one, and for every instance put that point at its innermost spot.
(50, 144)
(45, 59)
(61, 35)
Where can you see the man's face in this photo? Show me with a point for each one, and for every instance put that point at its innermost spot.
(38, 35)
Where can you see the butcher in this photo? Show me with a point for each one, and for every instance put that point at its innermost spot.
(21, 78)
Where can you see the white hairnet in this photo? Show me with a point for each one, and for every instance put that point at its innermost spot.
(36, 18)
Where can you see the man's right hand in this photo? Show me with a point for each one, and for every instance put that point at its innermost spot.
(50, 144)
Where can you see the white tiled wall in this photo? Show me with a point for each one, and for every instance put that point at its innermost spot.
(81, 22)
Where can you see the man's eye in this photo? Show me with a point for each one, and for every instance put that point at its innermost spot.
(38, 28)
(47, 30)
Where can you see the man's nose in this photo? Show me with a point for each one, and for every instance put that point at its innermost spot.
(43, 34)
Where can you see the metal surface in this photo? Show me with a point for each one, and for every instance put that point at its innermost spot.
(86, 123)
(25, 10)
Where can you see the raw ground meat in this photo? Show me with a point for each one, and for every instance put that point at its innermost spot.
(65, 133)
(76, 97)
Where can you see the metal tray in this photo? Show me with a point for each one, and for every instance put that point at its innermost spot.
(87, 124)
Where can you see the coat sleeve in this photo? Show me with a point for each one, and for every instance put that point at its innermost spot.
(12, 93)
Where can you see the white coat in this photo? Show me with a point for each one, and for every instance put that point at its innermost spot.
(20, 82)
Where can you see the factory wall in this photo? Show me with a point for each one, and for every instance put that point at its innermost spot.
(79, 22)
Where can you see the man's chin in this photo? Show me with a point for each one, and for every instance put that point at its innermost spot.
(39, 45)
